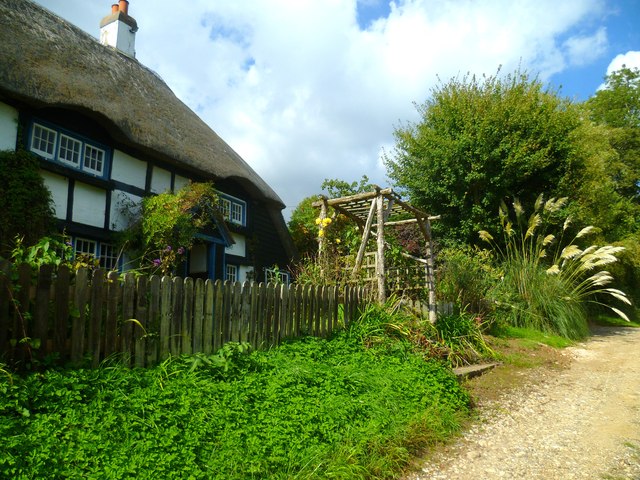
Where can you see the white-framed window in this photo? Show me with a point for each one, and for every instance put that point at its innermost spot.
(275, 275)
(108, 256)
(105, 252)
(237, 213)
(43, 141)
(69, 150)
(231, 273)
(225, 205)
(233, 209)
(54, 143)
(93, 159)
(84, 246)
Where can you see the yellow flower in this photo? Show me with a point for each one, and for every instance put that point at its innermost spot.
(337, 240)
(318, 220)
(321, 232)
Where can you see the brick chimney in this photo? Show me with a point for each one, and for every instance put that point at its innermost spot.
(118, 29)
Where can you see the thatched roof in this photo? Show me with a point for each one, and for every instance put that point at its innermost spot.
(46, 61)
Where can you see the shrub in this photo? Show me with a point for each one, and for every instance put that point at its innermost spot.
(26, 206)
(548, 281)
(465, 275)
(462, 336)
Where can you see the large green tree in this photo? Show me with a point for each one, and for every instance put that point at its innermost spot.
(617, 106)
(302, 225)
(479, 141)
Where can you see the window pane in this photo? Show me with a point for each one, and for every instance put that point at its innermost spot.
(84, 246)
(93, 159)
(43, 141)
(236, 213)
(108, 256)
(226, 209)
(69, 150)
(232, 273)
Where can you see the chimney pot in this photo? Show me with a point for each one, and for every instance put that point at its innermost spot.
(124, 6)
(114, 8)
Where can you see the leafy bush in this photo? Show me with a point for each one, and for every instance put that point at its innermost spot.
(465, 275)
(462, 335)
(26, 206)
(338, 408)
(549, 281)
(164, 229)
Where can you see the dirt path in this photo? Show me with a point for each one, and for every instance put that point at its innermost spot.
(582, 422)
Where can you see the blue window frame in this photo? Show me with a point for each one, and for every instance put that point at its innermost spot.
(68, 148)
(233, 209)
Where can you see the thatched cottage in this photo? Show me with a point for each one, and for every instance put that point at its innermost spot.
(109, 131)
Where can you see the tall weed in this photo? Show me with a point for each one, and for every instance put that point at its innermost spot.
(549, 279)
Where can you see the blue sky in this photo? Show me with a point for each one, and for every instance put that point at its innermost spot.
(311, 89)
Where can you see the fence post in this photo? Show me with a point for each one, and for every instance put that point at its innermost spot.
(186, 324)
(153, 329)
(114, 301)
(61, 310)
(209, 310)
(140, 331)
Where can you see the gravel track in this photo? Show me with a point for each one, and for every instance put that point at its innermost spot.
(582, 422)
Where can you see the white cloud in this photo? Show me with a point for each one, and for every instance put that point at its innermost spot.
(304, 94)
(584, 49)
(630, 59)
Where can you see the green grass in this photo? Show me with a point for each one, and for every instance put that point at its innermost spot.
(532, 337)
(611, 321)
(338, 408)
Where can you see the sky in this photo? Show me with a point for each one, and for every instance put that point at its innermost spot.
(308, 90)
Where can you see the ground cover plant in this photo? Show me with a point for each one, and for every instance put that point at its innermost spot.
(354, 406)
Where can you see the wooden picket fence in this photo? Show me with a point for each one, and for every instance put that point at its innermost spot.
(144, 319)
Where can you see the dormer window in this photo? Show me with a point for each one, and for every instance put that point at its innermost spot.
(233, 209)
(58, 145)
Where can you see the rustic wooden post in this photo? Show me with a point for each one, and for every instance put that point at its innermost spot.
(365, 238)
(165, 317)
(198, 316)
(425, 227)
(209, 309)
(95, 321)
(114, 296)
(321, 237)
(380, 270)
(62, 311)
(140, 329)
(41, 307)
(186, 325)
(218, 316)
(153, 341)
(128, 314)
(177, 297)
(78, 324)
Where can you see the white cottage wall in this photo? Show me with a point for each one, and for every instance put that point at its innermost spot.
(129, 170)
(59, 188)
(89, 205)
(124, 206)
(8, 127)
(160, 180)
(239, 248)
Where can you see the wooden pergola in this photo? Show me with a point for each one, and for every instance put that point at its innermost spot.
(381, 206)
